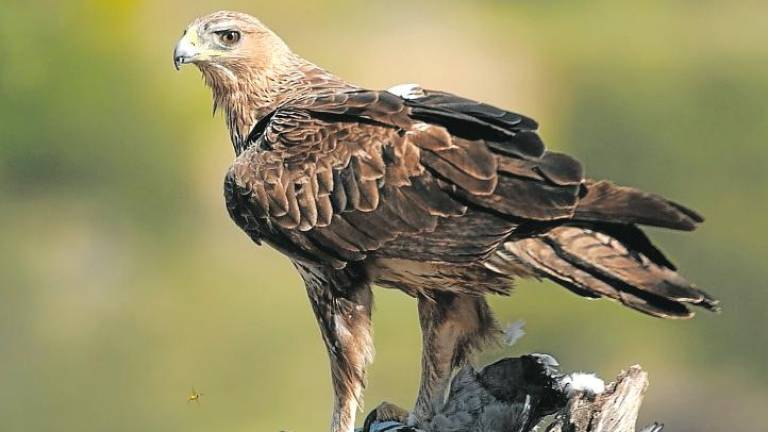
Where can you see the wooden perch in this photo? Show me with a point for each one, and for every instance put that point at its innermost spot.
(615, 410)
(524, 393)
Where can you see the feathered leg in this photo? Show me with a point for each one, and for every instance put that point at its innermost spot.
(342, 302)
(452, 327)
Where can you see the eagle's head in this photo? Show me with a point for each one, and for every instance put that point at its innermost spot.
(228, 42)
(244, 63)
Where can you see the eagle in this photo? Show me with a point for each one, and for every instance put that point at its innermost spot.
(442, 197)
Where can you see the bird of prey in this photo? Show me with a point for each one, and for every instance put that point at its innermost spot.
(439, 196)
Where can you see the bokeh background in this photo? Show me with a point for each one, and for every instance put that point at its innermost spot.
(123, 283)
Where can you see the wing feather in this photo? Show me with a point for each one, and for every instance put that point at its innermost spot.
(348, 173)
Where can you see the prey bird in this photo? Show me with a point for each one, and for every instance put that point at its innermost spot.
(439, 196)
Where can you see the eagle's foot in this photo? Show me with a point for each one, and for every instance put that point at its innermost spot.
(385, 412)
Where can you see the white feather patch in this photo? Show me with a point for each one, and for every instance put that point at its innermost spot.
(513, 332)
(407, 91)
(579, 382)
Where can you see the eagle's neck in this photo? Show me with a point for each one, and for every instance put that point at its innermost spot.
(247, 93)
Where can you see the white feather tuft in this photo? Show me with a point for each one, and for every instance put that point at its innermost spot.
(407, 91)
(579, 382)
(513, 332)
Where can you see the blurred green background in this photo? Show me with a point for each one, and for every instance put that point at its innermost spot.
(123, 283)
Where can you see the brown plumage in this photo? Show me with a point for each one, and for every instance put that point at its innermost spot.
(444, 198)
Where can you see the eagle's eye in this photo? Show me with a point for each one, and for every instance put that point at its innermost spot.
(228, 37)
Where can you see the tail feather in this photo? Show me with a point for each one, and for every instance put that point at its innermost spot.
(604, 201)
(594, 264)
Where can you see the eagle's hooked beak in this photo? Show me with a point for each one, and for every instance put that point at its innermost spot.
(185, 51)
